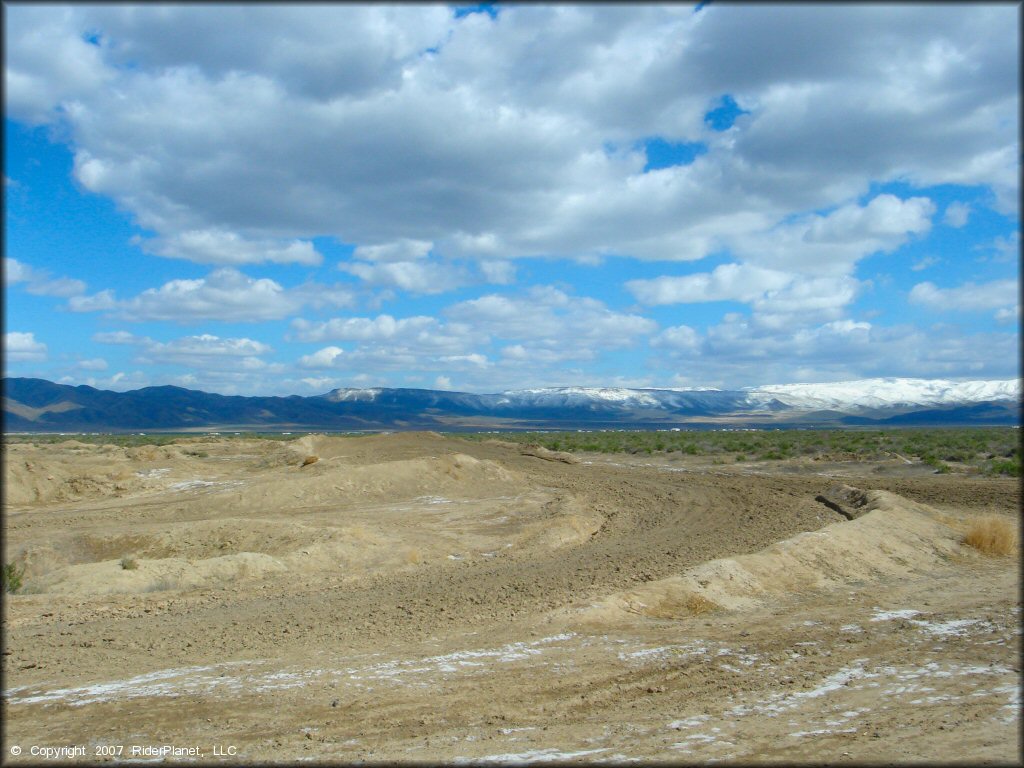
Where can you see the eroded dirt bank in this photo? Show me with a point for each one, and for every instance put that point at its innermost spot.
(414, 597)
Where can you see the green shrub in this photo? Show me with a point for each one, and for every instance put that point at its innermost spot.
(12, 577)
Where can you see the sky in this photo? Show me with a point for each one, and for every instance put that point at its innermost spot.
(272, 200)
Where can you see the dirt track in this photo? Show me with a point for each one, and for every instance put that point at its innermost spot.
(413, 597)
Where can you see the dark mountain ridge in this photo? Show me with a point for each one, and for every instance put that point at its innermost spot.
(37, 405)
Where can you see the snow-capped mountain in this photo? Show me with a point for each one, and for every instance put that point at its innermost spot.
(38, 405)
(855, 396)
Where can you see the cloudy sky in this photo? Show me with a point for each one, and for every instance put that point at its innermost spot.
(259, 199)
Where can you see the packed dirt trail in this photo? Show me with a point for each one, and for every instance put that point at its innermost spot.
(416, 597)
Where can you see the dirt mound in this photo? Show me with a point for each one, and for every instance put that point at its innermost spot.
(31, 479)
(540, 452)
(893, 536)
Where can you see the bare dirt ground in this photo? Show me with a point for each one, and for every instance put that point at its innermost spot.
(412, 597)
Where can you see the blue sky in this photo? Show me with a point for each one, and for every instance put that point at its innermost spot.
(497, 197)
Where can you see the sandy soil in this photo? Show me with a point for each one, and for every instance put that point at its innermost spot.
(412, 597)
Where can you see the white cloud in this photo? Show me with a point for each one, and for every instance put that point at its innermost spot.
(443, 382)
(426, 334)
(212, 246)
(967, 297)
(93, 364)
(225, 294)
(778, 298)
(679, 338)
(832, 244)
(319, 383)
(403, 249)
(737, 346)
(546, 313)
(38, 282)
(498, 272)
(322, 358)
(190, 348)
(728, 282)
(206, 353)
(22, 347)
(443, 149)
(386, 136)
(1008, 315)
(924, 263)
(118, 337)
(957, 214)
(411, 276)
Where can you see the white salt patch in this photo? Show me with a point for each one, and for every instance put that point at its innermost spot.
(690, 649)
(533, 756)
(881, 615)
(956, 628)
(150, 473)
(190, 484)
(850, 628)
(821, 732)
(690, 722)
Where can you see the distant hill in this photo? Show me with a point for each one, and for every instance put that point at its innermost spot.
(37, 405)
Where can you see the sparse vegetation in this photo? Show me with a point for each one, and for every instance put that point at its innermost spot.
(129, 564)
(993, 535)
(698, 604)
(993, 451)
(12, 577)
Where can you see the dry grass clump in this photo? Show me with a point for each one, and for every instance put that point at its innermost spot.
(993, 535)
(678, 607)
(129, 563)
(310, 460)
(698, 604)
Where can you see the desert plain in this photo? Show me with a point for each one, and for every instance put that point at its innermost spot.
(417, 597)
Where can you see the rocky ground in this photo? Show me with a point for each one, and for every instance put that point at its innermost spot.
(413, 597)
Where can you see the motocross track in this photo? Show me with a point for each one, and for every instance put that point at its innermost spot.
(420, 598)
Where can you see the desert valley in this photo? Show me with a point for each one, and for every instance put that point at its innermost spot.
(422, 597)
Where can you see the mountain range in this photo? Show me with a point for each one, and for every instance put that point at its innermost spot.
(37, 405)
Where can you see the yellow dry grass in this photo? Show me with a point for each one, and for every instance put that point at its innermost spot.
(677, 607)
(993, 535)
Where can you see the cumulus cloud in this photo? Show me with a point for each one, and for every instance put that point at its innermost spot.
(403, 249)
(385, 136)
(545, 312)
(206, 345)
(93, 364)
(734, 347)
(225, 294)
(411, 276)
(832, 244)
(425, 334)
(20, 347)
(211, 246)
(967, 297)
(728, 282)
(778, 298)
(441, 149)
(680, 338)
(957, 214)
(204, 352)
(118, 337)
(322, 358)
(39, 282)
